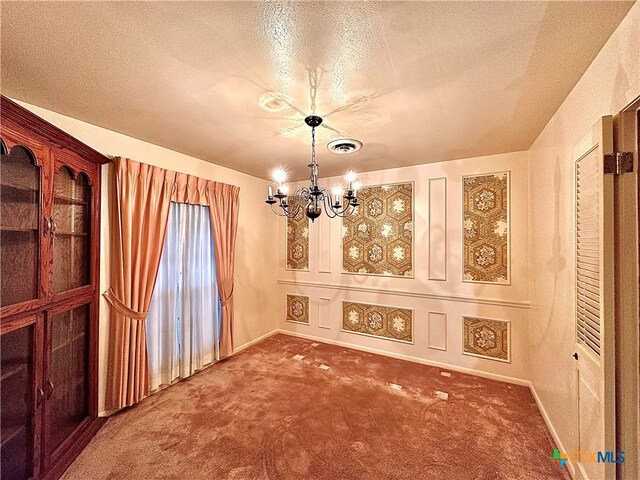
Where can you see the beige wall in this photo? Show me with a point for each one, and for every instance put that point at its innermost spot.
(255, 287)
(451, 297)
(539, 302)
(610, 83)
(545, 332)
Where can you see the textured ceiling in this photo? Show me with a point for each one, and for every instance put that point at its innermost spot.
(230, 82)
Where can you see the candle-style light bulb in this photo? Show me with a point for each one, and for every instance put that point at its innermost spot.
(279, 176)
(350, 177)
(269, 192)
(337, 193)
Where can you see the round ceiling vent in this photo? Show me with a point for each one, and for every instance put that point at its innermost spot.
(344, 146)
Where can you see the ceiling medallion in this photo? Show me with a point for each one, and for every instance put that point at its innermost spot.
(337, 203)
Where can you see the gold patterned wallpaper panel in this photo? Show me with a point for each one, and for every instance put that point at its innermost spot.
(390, 323)
(486, 228)
(297, 309)
(378, 238)
(298, 242)
(486, 338)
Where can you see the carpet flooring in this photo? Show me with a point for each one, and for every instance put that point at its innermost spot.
(264, 414)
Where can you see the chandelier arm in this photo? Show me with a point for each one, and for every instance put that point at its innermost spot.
(346, 210)
(343, 211)
(350, 210)
(294, 213)
(347, 206)
(328, 202)
(303, 195)
(285, 214)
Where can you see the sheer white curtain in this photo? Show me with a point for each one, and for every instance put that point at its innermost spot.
(183, 320)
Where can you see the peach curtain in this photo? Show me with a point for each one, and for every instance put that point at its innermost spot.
(141, 201)
(223, 208)
(142, 196)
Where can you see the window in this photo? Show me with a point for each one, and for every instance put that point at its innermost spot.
(183, 321)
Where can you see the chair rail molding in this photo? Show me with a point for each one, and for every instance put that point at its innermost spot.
(408, 293)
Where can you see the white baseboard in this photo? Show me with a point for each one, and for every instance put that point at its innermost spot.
(108, 413)
(552, 430)
(409, 358)
(254, 341)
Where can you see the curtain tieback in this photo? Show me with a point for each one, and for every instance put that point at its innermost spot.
(120, 307)
(227, 300)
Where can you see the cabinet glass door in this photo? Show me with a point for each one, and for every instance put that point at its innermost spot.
(66, 385)
(17, 416)
(72, 228)
(19, 226)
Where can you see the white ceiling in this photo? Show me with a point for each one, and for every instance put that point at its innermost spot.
(417, 82)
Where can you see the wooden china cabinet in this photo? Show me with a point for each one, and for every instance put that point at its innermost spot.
(49, 258)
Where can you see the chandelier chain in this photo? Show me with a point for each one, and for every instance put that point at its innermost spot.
(313, 145)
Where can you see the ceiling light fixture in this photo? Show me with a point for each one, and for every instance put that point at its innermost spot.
(337, 202)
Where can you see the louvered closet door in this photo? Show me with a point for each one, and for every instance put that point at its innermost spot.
(594, 300)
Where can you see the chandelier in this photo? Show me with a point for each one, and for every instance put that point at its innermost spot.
(311, 199)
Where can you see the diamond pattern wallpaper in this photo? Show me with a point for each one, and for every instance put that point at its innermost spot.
(297, 309)
(486, 228)
(390, 323)
(378, 238)
(298, 242)
(486, 338)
